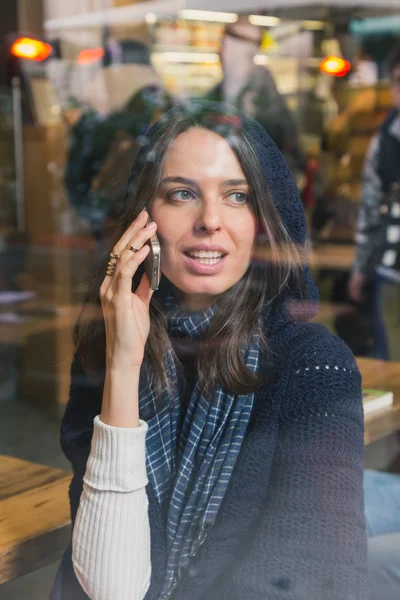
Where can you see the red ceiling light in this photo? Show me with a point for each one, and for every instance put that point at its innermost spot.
(31, 49)
(336, 66)
(89, 55)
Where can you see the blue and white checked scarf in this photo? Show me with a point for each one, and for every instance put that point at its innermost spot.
(191, 467)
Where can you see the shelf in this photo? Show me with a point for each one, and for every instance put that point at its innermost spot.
(159, 48)
(255, 6)
(132, 13)
(182, 54)
(120, 15)
(187, 58)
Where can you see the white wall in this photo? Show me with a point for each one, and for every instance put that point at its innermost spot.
(254, 5)
(55, 9)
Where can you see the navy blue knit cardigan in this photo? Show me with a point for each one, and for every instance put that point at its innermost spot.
(291, 526)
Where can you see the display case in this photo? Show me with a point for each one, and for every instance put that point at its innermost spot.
(185, 53)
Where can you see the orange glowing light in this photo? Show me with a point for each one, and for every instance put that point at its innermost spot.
(89, 55)
(31, 49)
(336, 66)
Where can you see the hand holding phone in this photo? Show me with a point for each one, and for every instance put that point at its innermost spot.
(126, 311)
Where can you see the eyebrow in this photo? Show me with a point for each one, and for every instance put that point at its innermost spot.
(193, 183)
(233, 182)
(183, 180)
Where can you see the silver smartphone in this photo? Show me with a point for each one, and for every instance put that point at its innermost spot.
(152, 261)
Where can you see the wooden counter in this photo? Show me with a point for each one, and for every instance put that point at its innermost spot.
(337, 257)
(381, 375)
(34, 516)
(327, 311)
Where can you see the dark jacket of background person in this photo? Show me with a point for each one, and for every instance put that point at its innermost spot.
(291, 525)
(102, 150)
(381, 172)
(260, 98)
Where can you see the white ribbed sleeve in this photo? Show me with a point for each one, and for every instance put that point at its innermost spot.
(111, 538)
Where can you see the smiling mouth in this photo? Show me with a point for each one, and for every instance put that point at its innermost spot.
(206, 258)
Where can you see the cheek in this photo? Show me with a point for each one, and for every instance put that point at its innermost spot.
(246, 237)
(170, 237)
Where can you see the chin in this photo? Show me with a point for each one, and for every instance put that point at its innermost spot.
(198, 286)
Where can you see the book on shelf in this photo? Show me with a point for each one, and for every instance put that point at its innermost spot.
(376, 400)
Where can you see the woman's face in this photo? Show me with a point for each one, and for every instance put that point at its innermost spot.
(204, 222)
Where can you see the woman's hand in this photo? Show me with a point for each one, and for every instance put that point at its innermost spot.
(126, 314)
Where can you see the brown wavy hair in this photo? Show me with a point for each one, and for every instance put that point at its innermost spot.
(276, 265)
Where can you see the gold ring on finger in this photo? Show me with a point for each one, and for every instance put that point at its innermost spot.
(113, 255)
(111, 267)
(131, 248)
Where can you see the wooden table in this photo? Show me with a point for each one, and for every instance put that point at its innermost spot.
(45, 335)
(34, 516)
(381, 375)
(338, 257)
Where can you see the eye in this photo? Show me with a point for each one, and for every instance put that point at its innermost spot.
(180, 195)
(239, 197)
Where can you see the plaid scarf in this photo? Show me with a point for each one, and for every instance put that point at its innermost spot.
(190, 465)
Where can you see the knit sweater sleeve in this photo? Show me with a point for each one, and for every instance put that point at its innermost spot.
(313, 530)
(108, 482)
(111, 537)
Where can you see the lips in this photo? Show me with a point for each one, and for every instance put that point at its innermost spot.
(207, 248)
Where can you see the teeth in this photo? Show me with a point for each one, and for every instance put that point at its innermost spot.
(208, 261)
(205, 254)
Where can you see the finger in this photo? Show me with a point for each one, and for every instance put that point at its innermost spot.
(137, 242)
(144, 290)
(108, 279)
(130, 233)
(125, 255)
(122, 281)
(136, 226)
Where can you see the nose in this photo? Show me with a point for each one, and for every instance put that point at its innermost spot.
(209, 218)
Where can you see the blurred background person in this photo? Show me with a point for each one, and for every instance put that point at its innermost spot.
(378, 226)
(252, 88)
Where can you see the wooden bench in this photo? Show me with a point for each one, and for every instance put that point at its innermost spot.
(34, 516)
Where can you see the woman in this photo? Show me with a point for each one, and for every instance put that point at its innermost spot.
(251, 420)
